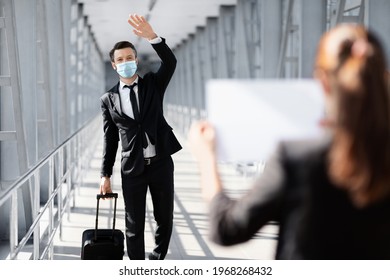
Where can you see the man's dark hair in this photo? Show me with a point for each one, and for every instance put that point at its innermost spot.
(122, 45)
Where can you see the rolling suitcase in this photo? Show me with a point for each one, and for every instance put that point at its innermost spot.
(103, 244)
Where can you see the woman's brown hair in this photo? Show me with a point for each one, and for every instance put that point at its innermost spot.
(354, 63)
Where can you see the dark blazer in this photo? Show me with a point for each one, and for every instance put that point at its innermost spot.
(117, 125)
(317, 219)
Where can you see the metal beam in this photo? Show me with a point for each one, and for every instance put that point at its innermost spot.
(249, 38)
(188, 78)
(5, 81)
(285, 37)
(212, 47)
(379, 22)
(227, 42)
(15, 84)
(73, 65)
(47, 123)
(7, 135)
(343, 13)
(201, 75)
(64, 128)
(271, 32)
(313, 25)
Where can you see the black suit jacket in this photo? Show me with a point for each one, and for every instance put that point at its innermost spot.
(117, 125)
(317, 219)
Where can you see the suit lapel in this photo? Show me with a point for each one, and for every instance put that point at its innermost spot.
(117, 102)
(141, 96)
(115, 99)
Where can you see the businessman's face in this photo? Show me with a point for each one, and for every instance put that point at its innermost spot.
(123, 55)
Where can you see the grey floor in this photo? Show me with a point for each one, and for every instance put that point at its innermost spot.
(190, 232)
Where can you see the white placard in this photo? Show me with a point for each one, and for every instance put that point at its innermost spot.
(252, 116)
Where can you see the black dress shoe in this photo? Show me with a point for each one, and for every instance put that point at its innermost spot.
(152, 257)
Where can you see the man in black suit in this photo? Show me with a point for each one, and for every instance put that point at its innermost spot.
(133, 112)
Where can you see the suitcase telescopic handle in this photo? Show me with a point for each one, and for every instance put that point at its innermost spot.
(107, 195)
(98, 197)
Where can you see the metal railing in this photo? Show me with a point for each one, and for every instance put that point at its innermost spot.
(67, 161)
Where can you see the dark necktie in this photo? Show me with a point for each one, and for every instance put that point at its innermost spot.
(134, 105)
(133, 101)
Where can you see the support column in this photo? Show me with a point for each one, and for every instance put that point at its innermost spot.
(212, 48)
(313, 25)
(191, 76)
(73, 67)
(226, 42)
(202, 45)
(64, 116)
(199, 69)
(271, 35)
(248, 39)
(379, 22)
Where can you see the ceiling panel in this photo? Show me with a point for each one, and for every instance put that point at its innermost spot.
(172, 19)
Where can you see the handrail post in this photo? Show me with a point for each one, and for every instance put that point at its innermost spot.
(36, 213)
(69, 179)
(51, 205)
(59, 196)
(79, 161)
(13, 223)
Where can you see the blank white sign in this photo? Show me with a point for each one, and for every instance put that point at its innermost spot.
(252, 116)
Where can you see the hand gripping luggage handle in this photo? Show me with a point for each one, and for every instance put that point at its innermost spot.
(98, 197)
(107, 195)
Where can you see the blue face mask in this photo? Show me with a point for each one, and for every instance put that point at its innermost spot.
(127, 69)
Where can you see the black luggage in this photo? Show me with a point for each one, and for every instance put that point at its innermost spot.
(103, 244)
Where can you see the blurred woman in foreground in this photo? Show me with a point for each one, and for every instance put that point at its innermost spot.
(331, 196)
